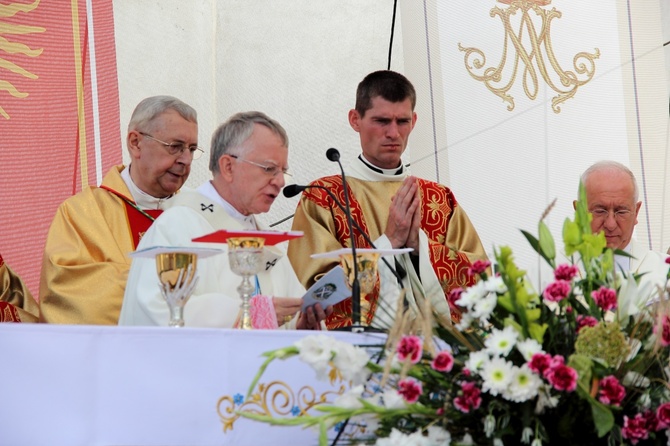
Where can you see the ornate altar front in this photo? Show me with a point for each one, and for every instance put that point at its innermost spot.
(90, 385)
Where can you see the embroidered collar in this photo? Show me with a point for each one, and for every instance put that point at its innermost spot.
(207, 189)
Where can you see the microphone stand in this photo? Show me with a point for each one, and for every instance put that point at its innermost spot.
(356, 327)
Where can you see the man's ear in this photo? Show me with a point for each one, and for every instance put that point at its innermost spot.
(354, 119)
(638, 205)
(133, 143)
(226, 166)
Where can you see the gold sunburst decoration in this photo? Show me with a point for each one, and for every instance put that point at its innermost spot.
(528, 51)
(9, 47)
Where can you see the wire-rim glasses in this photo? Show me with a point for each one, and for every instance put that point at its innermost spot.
(177, 148)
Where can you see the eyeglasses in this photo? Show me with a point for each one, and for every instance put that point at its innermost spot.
(270, 170)
(177, 148)
(619, 215)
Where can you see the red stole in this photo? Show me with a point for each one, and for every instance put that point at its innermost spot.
(138, 222)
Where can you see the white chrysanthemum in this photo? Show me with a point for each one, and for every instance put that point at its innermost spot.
(392, 399)
(466, 440)
(545, 400)
(350, 399)
(529, 347)
(317, 351)
(524, 385)
(501, 342)
(476, 360)
(472, 295)
(496, 285)
(351, 361)
(483, 309)
(497, 374)
(438, 436)
(397, 438)
(465, 322)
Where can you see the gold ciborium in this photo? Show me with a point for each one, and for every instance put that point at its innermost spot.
(245, 255)
(366, 264)
(176, 275)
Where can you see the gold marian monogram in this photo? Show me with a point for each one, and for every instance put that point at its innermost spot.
(531, 51)
(16, 48)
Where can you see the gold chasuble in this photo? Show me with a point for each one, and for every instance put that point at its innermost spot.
(86, 263)
(16, 302)
(449, 242)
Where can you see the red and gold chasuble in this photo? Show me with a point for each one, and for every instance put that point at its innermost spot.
(437, 207)
(139, 220)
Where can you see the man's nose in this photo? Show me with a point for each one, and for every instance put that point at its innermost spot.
(610, 221)
(392, 130)
(279, 180)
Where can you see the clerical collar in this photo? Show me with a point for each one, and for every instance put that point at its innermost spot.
(142, 199)
(369, 165)
(247, 221)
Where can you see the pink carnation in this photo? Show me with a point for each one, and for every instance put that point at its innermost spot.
(479, 267)
(410, 389)
(634, 429)
(605, 298)
(443, 362)
(557, 291)
(469, 399)
(562, 377)
(652, 422)
(539, 363)
(565, 272)
(410, 347)
(663, 415)
(665, 330)
(611, 391)
(586, 321)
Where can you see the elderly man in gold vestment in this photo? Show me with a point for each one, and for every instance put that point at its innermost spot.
(395, 209)
(85, 264)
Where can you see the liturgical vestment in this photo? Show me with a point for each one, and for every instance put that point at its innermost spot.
(449, 242)
(86, 263)
(215, 301)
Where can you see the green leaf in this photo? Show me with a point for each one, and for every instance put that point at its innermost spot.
(547, 242)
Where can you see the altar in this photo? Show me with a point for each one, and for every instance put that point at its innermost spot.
(129, 386)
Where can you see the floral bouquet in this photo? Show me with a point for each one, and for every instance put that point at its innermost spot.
(585, 362)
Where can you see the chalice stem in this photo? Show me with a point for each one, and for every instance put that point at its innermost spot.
(245, 289)
(176, 315)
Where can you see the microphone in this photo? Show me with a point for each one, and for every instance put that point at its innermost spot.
(292, 190)
(334, 155)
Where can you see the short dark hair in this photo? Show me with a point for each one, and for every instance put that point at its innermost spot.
(392, 86)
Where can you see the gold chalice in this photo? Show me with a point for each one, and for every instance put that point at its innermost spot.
(366, 264)
(176, 273)
(245, 255)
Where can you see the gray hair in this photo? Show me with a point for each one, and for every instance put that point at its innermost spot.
(150, 108)
(238, 128)
(612, 165)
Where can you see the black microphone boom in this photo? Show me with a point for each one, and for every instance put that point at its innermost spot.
(334, 155)
(292, 190)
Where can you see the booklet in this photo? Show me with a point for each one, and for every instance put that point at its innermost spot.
(328, 290)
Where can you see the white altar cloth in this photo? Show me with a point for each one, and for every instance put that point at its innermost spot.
(92, 385)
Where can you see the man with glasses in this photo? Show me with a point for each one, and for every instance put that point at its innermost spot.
(86, 263)
(613, 200)
(248, 161)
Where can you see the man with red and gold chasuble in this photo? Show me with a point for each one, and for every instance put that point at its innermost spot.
(395, 209)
